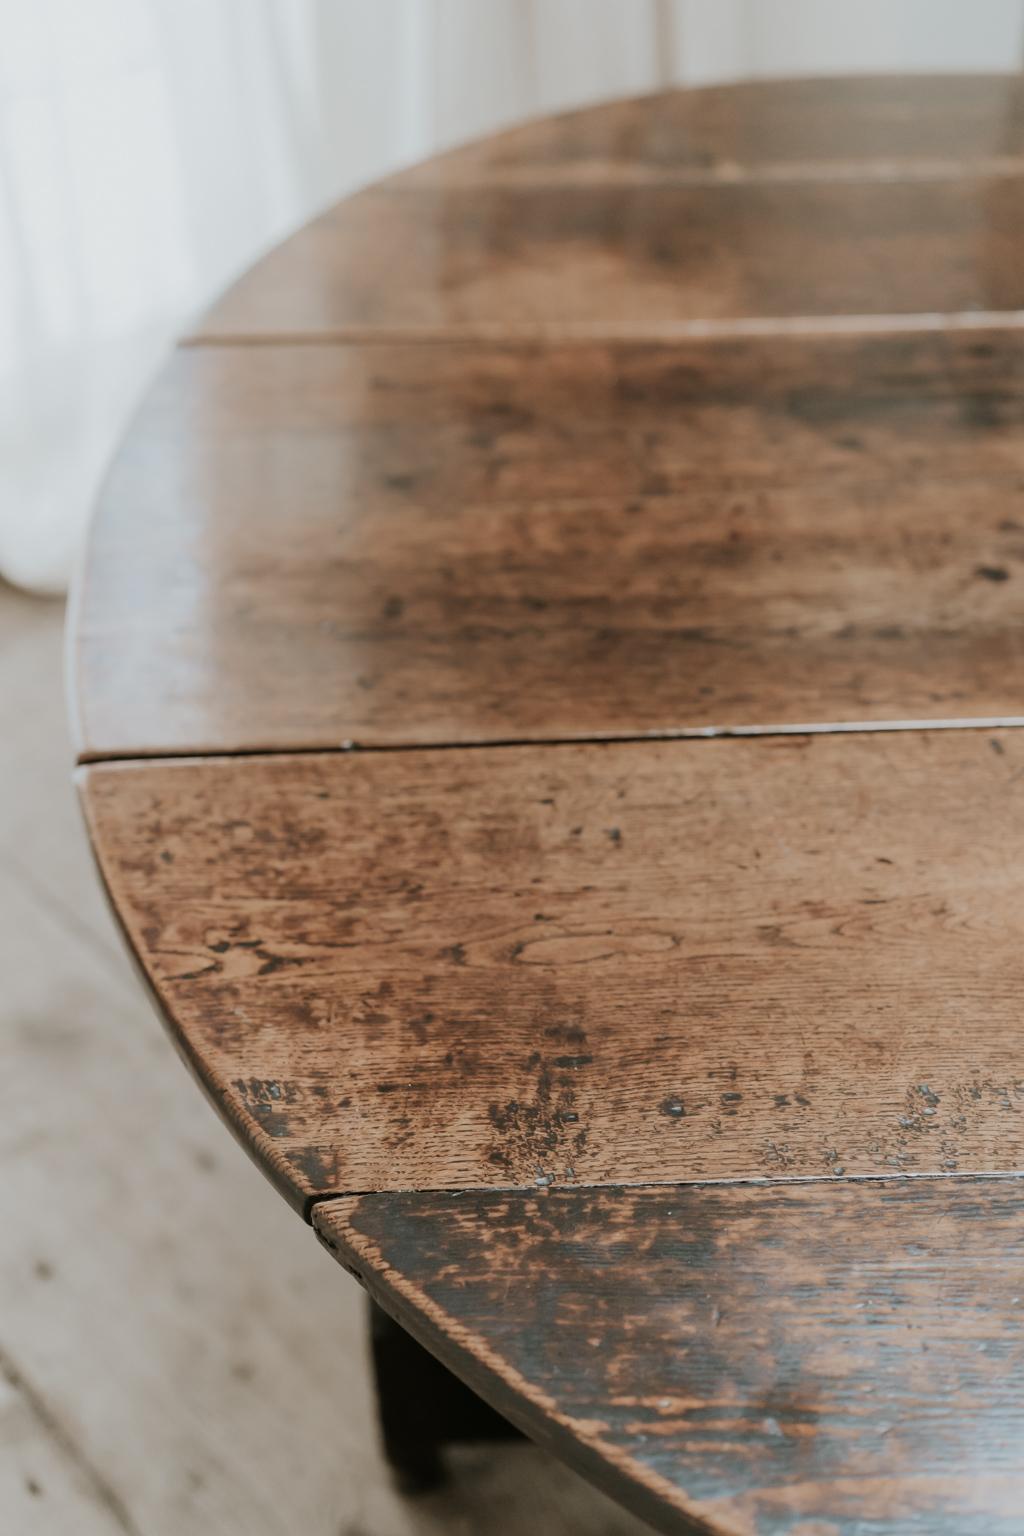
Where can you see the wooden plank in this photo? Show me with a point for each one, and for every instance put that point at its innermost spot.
(815, 1360)
(541, 262)
(411, 545)
(781, 956)
(774, 200)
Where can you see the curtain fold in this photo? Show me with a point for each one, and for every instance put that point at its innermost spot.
(150, 149)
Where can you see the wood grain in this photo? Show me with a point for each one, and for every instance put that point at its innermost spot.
(789, 956)
(802, 1360)
(546, 261)
(403, 545)
(691, 207)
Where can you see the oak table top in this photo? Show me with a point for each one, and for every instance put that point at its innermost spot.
(547, 689)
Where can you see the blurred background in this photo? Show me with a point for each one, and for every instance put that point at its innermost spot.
(173, 1357)
(150, 149)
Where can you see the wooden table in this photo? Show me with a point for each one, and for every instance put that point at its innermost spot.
(548, 678)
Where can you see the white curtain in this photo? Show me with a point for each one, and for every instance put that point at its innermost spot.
(150, 149)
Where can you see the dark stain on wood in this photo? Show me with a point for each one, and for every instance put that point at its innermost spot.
(818, 1358)
(743, 986)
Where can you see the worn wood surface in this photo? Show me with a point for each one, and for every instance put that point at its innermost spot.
(719, 426)
(792, 956)
(548, 260)
(699, 207)
(407, 544)
(812, 1359)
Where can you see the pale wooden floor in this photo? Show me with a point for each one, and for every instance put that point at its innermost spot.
(177, 1355)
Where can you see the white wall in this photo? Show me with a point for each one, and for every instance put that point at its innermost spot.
(496, 59)
(720, 39)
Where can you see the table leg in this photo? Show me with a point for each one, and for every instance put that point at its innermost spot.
(422, 1407)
